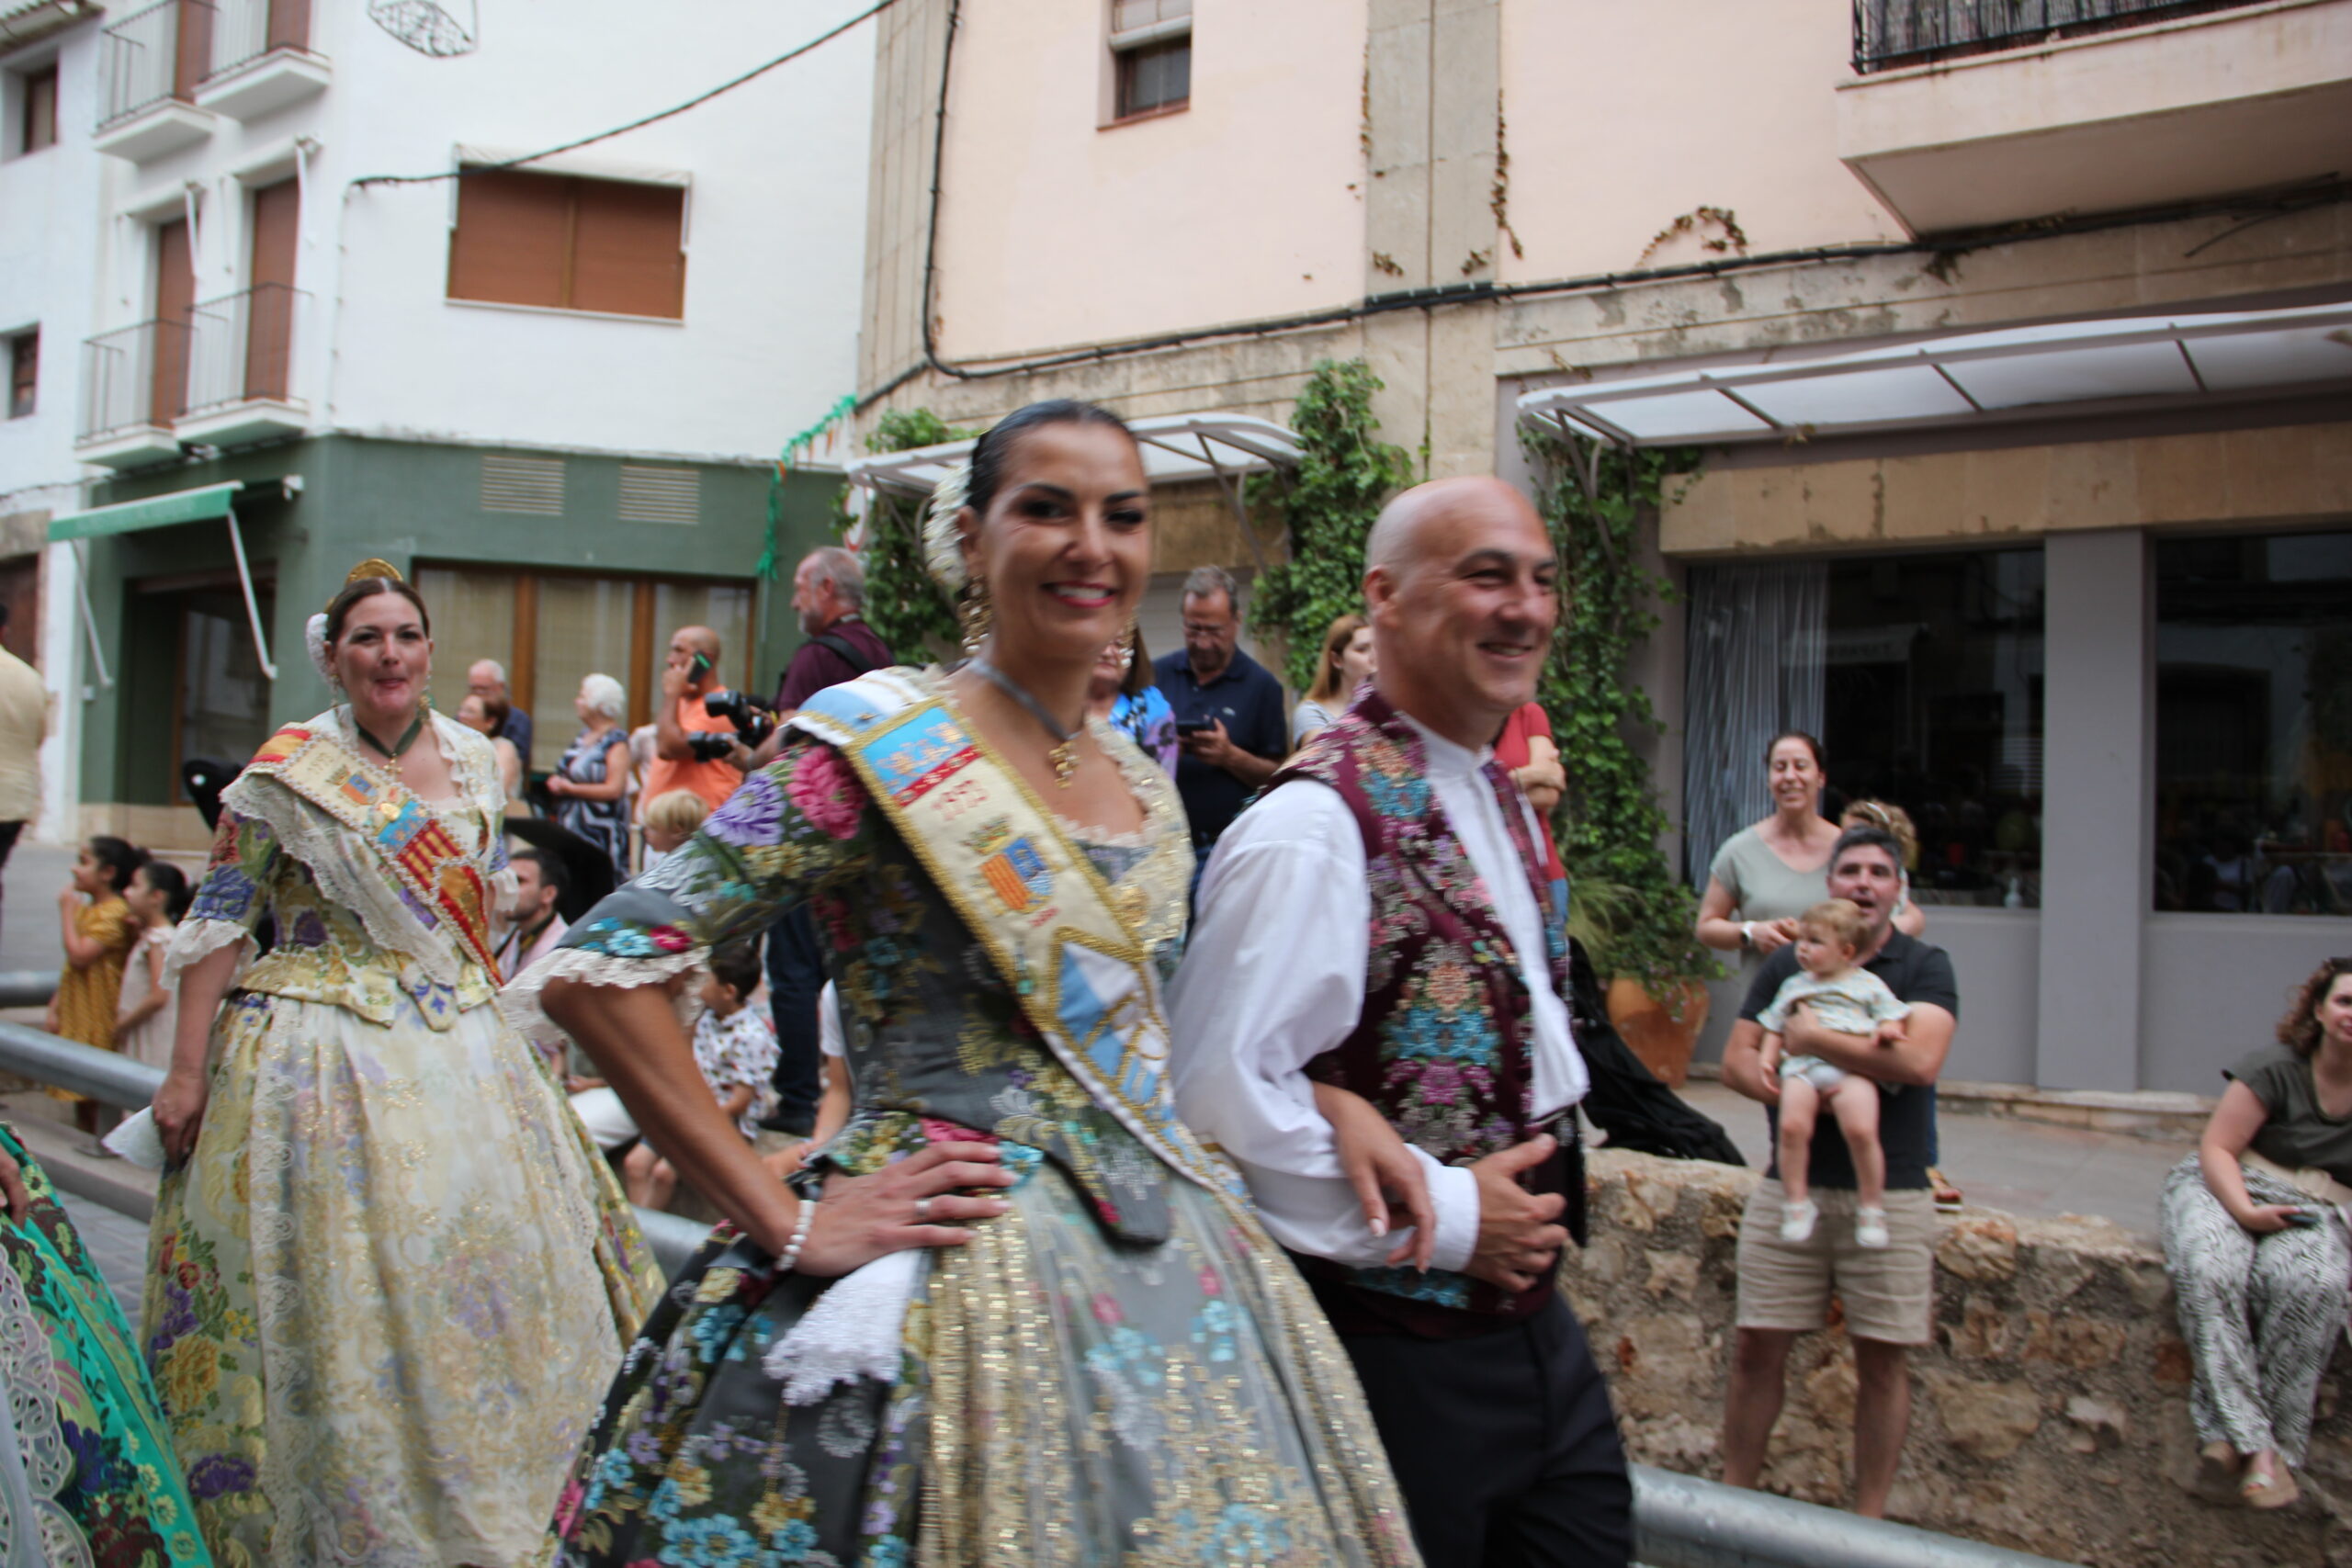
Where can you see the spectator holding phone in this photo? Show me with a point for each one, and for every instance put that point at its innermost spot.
(2258, 1270)
(1231, 732)
(691, 671)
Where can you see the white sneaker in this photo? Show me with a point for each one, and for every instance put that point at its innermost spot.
(1870, 1228)
(1797, 1221)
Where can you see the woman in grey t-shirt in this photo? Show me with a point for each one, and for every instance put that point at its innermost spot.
(2258, 1263)
(1769, 873)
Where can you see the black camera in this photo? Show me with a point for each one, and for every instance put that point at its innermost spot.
(752, 721)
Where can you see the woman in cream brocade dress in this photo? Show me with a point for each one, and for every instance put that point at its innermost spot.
(385, 1289)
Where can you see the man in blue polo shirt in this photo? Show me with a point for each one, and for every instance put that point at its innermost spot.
(1229, 709)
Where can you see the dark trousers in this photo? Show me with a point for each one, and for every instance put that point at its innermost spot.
(796, 979)
(1504, 1444)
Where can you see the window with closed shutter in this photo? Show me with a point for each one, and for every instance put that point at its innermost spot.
(567, 242)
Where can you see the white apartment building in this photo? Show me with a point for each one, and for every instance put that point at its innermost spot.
(295, 308)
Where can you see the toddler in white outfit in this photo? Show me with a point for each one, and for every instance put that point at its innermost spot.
(1846, 999)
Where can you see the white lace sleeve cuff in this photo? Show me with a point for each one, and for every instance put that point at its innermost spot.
(519, 1001)
(195, 940)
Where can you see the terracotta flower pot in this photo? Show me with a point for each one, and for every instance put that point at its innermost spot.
(1663, 1042)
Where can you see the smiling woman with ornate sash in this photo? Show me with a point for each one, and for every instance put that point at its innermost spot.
(392, 1271)
(1014, 1313)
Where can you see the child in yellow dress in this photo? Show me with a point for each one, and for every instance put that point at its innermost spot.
(98, 934)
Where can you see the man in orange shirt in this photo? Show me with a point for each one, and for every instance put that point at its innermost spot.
(692, 669)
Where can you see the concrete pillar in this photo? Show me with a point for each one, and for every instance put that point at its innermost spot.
(2097, 806)
(1432, 74)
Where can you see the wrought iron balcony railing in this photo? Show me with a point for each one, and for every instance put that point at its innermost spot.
(1890, 33)
(245, 30)
(241, 349)
(153, 55)
(134, 377)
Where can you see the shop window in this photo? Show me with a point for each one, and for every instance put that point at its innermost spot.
(1922, 675)
(569, 244)
(24, 373)
(2253, 725)
(552, 628)
(1151, 55)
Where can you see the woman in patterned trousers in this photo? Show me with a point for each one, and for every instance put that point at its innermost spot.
(2257, 1246)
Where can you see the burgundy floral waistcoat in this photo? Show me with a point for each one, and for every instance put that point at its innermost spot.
(1441, 1045)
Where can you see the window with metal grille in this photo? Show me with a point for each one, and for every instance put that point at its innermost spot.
(566, 243)
(660, 495)
(531, 485)
(1151, 53)
(24, 372)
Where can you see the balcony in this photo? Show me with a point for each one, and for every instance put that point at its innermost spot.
(1969, 114)
(261, 59)
(134, 382)
(147, 66)
(239, 360)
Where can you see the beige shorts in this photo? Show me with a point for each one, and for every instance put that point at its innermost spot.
(1889, 1293)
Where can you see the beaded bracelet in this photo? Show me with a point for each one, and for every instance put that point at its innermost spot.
(800, 1226)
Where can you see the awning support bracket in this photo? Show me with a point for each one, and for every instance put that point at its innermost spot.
(89, 620)
(253, 604)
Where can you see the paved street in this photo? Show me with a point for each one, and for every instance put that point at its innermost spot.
(2025, 1167)
(37, 873)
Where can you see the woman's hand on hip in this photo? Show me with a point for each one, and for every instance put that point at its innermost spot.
(179, 1111)
(907, 1203)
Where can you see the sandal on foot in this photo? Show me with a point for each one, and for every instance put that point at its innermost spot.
(2268, 1484)
(1948, 1198)
(2220, 1468)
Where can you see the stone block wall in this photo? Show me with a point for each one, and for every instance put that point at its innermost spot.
(2050, 1416)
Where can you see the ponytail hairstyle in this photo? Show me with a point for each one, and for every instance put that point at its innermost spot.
(120, 856)
(172, 883)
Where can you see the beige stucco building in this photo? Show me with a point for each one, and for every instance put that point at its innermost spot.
(2081, 600)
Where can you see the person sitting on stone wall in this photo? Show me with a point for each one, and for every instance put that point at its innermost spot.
(2258, 1265)
(1888, 1291)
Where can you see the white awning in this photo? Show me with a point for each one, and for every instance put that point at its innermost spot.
(1969, 378)
(1176, 448)
(197, 505)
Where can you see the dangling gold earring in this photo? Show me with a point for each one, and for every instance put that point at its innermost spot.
(977, 613)
(1127, 645)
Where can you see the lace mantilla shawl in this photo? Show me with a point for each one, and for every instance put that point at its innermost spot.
(348, 868)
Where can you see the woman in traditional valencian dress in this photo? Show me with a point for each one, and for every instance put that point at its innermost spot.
(392, 1273)
(88, 1475)
(1012, 1313)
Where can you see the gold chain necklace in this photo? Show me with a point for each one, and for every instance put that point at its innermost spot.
(1064, 755)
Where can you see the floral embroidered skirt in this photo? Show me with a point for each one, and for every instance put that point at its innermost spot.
(87, 1475)
(1064, 1399)
(385, 1290)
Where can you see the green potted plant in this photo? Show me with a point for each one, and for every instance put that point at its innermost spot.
(1634, 915)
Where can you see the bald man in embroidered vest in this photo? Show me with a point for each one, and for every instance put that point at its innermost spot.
(1380, 923)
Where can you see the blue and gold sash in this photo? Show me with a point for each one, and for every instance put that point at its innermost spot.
(1055, 930)
(441, 886)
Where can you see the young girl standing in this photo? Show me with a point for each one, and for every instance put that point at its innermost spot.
(98, 933)
(158, 897)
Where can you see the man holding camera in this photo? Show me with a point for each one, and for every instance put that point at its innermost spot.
(694, 749)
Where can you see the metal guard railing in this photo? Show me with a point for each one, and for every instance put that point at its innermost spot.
(118, 1081)
(1889, 34)
(1679, 1522)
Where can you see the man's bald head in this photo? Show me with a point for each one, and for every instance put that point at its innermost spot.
(700, 639)
(1408, 523)
(1463, 587)
(688, 644)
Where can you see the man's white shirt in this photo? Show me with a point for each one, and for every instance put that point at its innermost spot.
(1273, 976)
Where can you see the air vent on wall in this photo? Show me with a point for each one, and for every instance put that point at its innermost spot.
(660, 495)
(533, 485)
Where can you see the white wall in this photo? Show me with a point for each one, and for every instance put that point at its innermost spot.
(2214, 987)
(775, 225)
(49, 237)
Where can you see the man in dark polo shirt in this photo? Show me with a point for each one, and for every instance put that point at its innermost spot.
(1229, 709)
(1888, 1292)
(828, 592)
